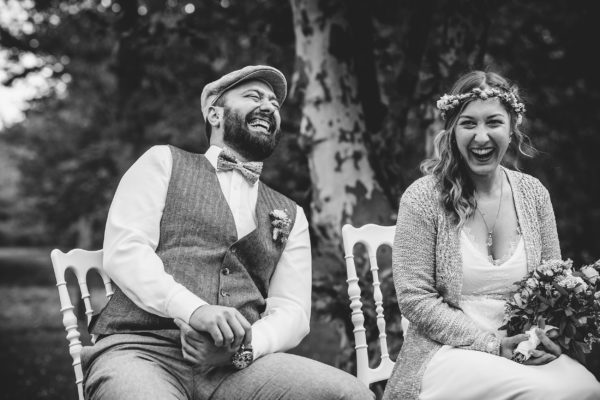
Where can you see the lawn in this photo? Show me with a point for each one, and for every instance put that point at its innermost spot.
(34, 362)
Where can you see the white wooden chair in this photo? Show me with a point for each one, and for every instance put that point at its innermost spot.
(372, 237)
(80, 262)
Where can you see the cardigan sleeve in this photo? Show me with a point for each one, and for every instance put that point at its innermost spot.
(414, 270)
(548, 232)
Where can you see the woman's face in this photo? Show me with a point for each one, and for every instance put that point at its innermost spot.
(482, 135)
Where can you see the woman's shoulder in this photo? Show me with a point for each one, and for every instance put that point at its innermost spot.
(526, 183)
(423, 192)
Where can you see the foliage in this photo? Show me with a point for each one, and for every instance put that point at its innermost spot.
(126, 75)
(562, 297)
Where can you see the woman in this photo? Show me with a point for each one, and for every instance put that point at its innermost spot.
(466, 231)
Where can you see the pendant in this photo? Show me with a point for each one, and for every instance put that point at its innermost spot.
(489, 240)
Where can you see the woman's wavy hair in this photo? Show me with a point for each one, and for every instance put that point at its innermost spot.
(447, 165)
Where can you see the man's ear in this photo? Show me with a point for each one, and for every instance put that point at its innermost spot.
(215, 116)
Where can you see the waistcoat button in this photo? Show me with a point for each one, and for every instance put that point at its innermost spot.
(225, 271)
(224, 293)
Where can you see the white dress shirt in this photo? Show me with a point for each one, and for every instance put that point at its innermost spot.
(132, 235)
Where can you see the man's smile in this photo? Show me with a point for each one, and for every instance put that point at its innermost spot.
(261, 124)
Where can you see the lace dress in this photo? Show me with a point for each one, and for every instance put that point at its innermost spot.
(455, 373)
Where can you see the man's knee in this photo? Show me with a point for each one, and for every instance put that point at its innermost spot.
(130, 377)
(306, 378)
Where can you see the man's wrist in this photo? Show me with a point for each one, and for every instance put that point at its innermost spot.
(183, 304)
(243, 357)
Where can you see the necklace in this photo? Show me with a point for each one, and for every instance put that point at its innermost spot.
(490, 240)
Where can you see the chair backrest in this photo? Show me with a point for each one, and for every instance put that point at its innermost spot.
(372, 237)
(80, 262)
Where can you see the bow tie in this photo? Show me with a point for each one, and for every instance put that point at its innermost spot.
(250, 170)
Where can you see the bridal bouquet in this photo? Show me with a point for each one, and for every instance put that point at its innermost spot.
(566, 299)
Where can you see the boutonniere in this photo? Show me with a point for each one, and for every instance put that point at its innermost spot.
(281, 224)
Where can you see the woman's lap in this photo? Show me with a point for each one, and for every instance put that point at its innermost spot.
(467, 374)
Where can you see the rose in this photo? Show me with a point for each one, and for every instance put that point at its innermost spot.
(526, 293)
(572, 282)
(532, 283)
(590, 273)
(545, 270)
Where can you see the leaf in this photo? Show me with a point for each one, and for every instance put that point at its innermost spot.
(518, 300)
(568, 311)
(570, 330)
(578, 352)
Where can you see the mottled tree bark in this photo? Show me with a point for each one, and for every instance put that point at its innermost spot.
(332, 125)
(344, 188)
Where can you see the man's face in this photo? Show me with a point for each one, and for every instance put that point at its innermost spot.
(251, 120)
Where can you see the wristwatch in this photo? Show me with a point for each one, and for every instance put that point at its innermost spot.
(243, 357)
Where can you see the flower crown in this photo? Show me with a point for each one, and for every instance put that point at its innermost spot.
(447, 102)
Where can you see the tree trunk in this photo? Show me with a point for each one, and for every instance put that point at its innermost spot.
(332, 125)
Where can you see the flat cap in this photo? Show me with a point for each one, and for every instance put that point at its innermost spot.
(271, 76)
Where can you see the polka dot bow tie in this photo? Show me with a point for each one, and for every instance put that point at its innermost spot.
(250, 170)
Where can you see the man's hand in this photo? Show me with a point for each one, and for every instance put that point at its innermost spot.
(225, 325)
(199, 350)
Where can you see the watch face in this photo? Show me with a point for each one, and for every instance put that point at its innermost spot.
(242, 358)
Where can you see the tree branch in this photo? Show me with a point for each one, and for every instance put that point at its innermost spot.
(11, 79)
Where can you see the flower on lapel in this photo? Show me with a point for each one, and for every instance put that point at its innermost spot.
(281, 224)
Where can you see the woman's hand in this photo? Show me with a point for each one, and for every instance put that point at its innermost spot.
(538, 357)
(551, 353)
(509, 344)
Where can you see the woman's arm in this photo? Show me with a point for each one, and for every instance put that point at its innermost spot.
(548, 233)
(414, 269)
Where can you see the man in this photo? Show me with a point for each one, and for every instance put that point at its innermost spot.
(212, 267)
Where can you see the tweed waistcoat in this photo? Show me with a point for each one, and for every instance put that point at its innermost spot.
(427, 271)
(199, 247)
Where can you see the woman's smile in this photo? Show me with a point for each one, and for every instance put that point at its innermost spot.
(483, 154)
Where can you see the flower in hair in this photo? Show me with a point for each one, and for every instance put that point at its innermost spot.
(448, 102)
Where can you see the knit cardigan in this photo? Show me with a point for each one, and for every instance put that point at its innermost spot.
(427, 271)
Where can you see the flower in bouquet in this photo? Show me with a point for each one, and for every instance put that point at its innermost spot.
(564, 297)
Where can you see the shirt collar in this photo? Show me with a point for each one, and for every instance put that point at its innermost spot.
(211, 155)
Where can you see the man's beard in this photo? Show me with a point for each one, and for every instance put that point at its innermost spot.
(251, 145)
